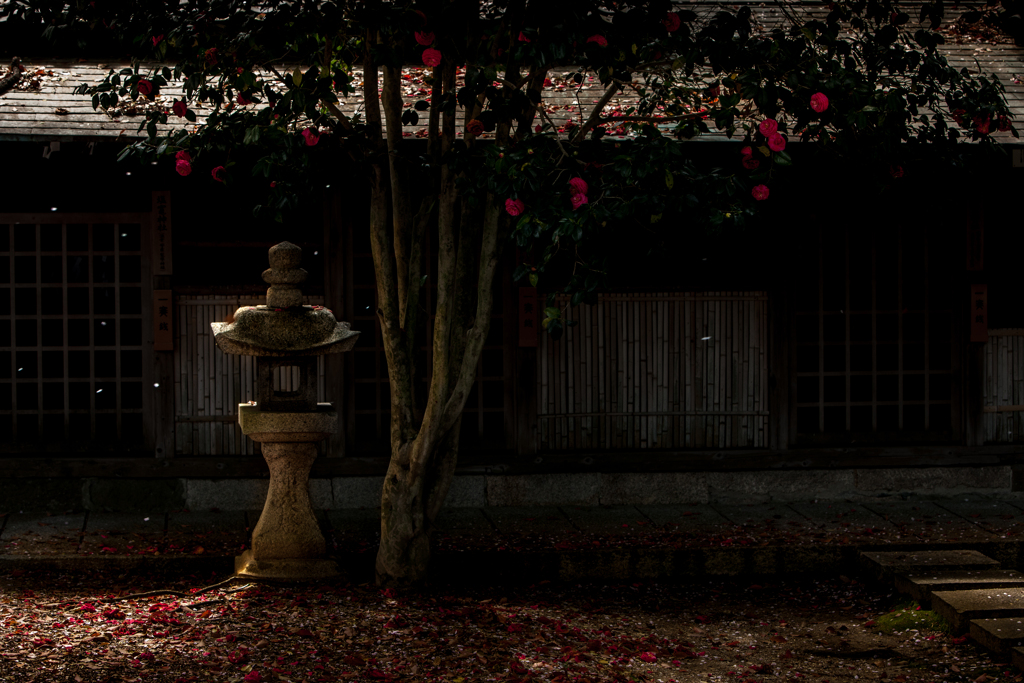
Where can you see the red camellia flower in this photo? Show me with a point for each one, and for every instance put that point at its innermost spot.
(776, 142)
(1002, 124)
(211, 56)
(600, 40)
(145, 87)
(578, 185)
(311, 135)
(243, 100)
(179, 108)
(958, 116)
(424, 37)
(982, 124)
(474, 127)
(896, 171)
(514, 207)
(768, 126)
(157, 39)
(760, 192)
(819, 102)
(671, 22)
(648, 657)
(218, 174)
(431, 57)
(523, 38)
(183, 156)
(183, 167)
(750, 163)
(747, 152)
(579, 200)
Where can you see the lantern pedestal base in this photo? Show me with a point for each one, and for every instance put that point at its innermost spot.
(286, 569)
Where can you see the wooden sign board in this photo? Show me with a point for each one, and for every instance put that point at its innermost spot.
(163, 320)
(979, 313)
(529, 320)
(162, 263)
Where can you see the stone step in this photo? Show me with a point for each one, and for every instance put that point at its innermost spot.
(884, 564)
(998, 635)
(920, 585)
(1017, 657)
(960, 607)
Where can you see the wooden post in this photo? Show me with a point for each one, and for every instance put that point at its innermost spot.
(159, 380)
(779, 395)
(335, 253)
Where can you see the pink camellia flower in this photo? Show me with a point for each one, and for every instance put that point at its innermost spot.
(776, 142)
(768, 126)
(760, 192)
(145, 87)
(523, 38)
(514, 207)
(671, 22)
(424, 37)
(252, 677)
(750, 163)
(179, 108)
(747, 152)
(311, 135)
(183, 155)
(157, 39)
(218, 174)
(600, 40)
(579, 200)
(648, 657)
(431, 57)
(578, 185)
(819, 102)
(474, 127)
(183, 167)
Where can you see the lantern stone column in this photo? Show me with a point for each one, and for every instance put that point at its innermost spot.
(286, 337)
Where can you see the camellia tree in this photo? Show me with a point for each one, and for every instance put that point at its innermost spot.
(861, 77)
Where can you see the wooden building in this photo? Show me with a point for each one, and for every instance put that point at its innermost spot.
(848, 329)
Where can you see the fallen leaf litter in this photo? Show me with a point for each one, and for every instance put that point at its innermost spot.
(64, 628)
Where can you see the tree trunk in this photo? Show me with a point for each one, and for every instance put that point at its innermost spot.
(410, 501)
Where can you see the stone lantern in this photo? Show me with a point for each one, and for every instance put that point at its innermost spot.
(284, 334)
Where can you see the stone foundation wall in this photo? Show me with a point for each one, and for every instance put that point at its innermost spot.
(497, 490)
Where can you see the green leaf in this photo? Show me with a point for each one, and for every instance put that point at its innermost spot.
(533, 279)
(552, 312)
(670, 180)
(783, 159)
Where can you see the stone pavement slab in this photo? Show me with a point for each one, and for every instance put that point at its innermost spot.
(38, 535)
(686, 518)
(122, 534)
(773, 523)
(920, 585)
(528, 520)
(927, 522)
(614, 520)
(458, 521)
(960, 607)
(198, 533)
(998, 635)
(999, 518)
(884, 564)
(847, 521)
